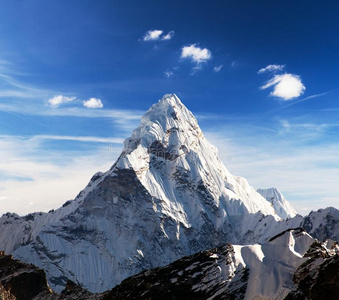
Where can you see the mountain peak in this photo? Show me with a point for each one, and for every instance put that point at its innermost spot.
(168, 129)
(282, 207)
(174, 160)
(172, 99)
(169, 112)
(168, 104)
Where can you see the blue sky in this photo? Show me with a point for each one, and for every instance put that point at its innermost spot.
(75, 77)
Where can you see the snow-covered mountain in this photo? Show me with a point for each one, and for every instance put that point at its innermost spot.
(282, 207)
(167, 196)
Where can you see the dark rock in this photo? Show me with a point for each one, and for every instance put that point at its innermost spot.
(192, 277)
(20, 281)
(316, 281)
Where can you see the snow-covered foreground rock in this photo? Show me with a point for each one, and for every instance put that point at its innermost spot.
(273, 264)
(167, 196)
(272, 270)
(291, 266)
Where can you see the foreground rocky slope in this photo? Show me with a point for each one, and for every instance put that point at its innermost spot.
(273, 270)
(318, 277)
(20, 281)
(291, 265)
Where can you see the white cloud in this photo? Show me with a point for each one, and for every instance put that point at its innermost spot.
(217, 68)
(271, 68)
(168, 74)
(125, 118)
(56, 101)
(168, 36)
(5, 93)
(196, 69)
(86, 139)
(299, 171)
(301, 100)
(196, 54)
(285, 86)
(11, 85)
(156, 35)
(93, 103)
(53, 175)
(152, 35)
(59, 99)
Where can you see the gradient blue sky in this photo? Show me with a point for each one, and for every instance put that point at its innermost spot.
(75, 77)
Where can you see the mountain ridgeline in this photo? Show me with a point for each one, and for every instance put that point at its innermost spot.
(166, 197)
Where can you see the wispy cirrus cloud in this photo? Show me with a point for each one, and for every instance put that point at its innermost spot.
(124, 114)
(31, 179)
(301, 100)
(271, 68)
(11, 87)
(168, 36)
(217, 68)
(86, 139)
(127, 119)
(169, 74)
(297, 156)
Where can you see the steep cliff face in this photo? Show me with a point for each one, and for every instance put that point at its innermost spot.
(168, 195)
